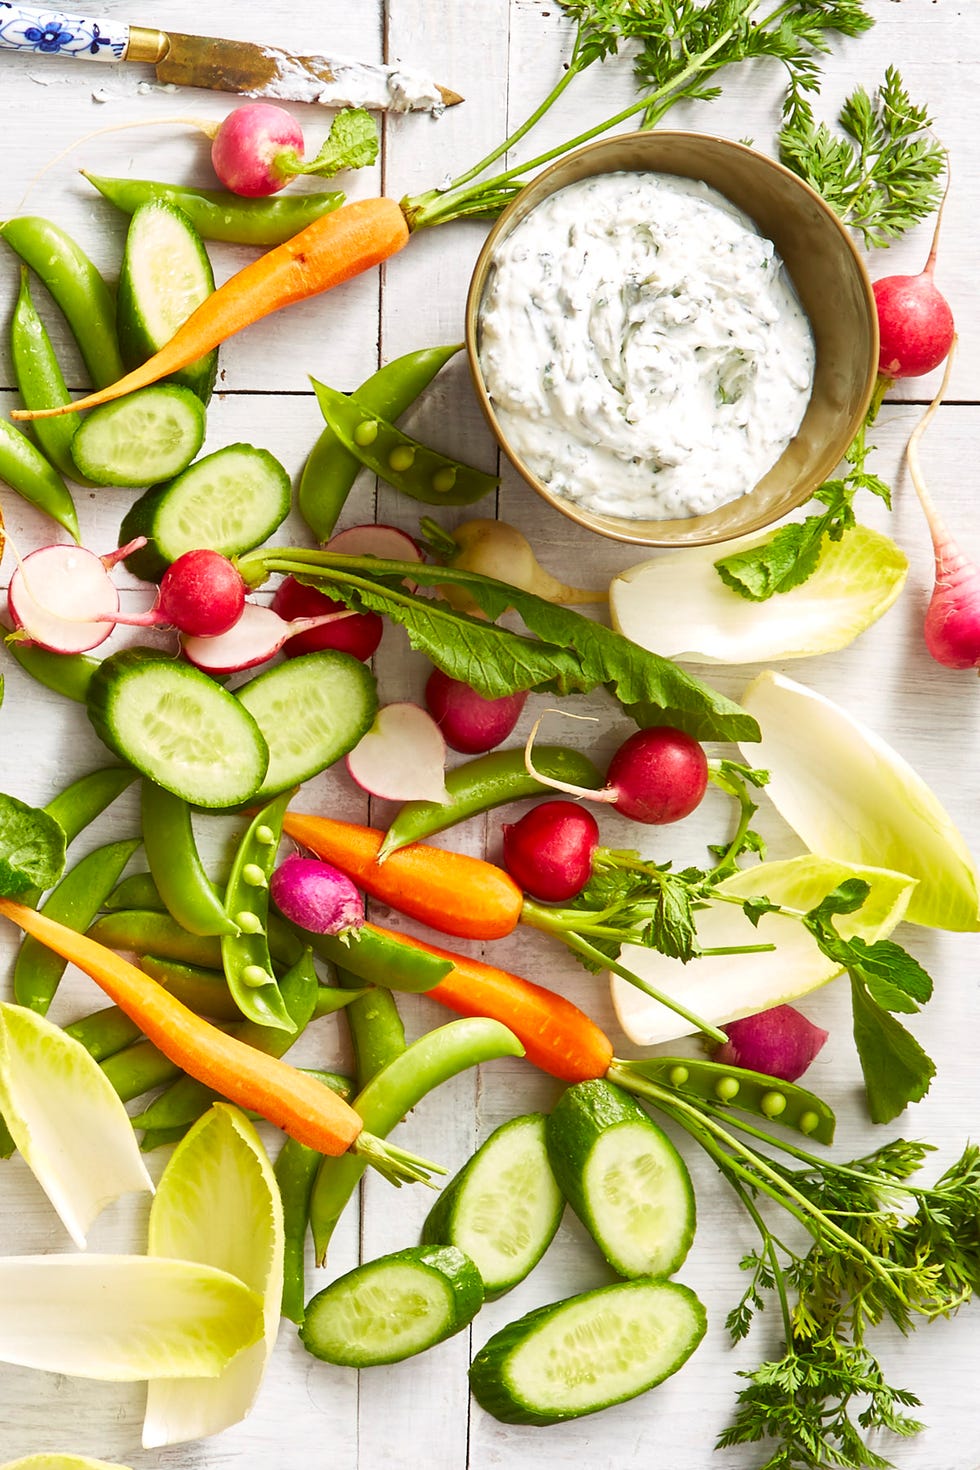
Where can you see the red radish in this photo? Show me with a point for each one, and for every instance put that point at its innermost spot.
(469, 722)
(952, 626)
(201, 593)
(387, 542)
(915, 322)
(780, 1042)
(658, 775)
(254, 147)
(402, 757)
(316, 896)
(257, 636)
(549, 851)
(358, 634)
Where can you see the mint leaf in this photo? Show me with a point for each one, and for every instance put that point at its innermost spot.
(351, 143)
(32, 848)
(786, 560)
(896, 1069)
(895, 980)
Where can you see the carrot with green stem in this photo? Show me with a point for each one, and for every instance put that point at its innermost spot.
(292, 1100)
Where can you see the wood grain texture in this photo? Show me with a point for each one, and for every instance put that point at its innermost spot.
(502, 55)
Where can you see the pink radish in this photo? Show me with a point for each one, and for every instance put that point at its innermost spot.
(470, 723)
(257, 636)
(549, 851)
(358, 634)
(387, 542)
(952, 626)
(915, 322)
(658, 775)
(63, 598)
(254, 147)
(780, 1042)
(316, 896)
(202, 594)
(402, 757)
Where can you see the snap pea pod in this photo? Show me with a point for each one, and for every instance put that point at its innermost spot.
(138, 891)
(330, 469)
(381, 959)
(104, 1032)
(245, 956)
(202, 990)
(25, 469)
(78, 805)
(153, 931)
(40, 381)
(64, 673)
(77, 289)
(74, 901)
(137, 1068)
(413, 468)
(376, 1030)
(175, 864)
(395, 1091)
(732, 1087)
(342, 1086)
(479, 785)
(217, 215)
(188, 1099)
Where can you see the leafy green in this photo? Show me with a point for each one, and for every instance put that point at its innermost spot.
(32, 847)
(882, 176)
(352, 142)
(568, 654)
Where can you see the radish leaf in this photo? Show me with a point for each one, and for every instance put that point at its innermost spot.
(32, 847)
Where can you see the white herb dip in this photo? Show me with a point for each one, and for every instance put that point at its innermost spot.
(643, 347)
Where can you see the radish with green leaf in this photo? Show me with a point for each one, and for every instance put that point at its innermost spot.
(915, 321)
(258, 148)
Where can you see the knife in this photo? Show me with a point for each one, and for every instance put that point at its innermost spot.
(224, 66)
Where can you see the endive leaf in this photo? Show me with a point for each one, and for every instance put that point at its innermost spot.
(54, 1461)
(218, 1202)
(722, 988)
(680, 607)
(66, 1119)
(123, 1318)
(848, 795)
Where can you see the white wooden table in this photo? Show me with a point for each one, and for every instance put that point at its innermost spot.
(503, 55)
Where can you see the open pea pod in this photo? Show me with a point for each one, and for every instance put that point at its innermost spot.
(245, 956)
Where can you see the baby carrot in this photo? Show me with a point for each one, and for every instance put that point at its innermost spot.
(332, 249)
(449, 891)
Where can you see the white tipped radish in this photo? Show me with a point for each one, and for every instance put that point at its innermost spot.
(549, 852)
(257, 636)
(658, 775)
(952, 625)
(470, 723)
(780, 1042)
(915, 322)
(63, 599)
(496, 549)
(402, 757)
(316, 896)
(359, 634)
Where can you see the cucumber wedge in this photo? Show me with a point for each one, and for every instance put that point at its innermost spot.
(178, 727)
(623, 1178)
(588, 1352)
(165, 276)
(503, 1207)
(394, 1307)
(311, 711)
(141, 439)
(228, 501)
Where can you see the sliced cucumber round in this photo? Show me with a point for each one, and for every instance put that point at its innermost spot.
(141, 439)
(228, 501)
(392, 1308)
(165, 276)
(311, 711)
(587, 1352)
(623, 1178)
(178, 727)
(503, 1207)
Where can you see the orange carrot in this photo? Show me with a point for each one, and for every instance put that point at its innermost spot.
(449, 891)
(292, 1100)
(332, 249)
(556, 1035)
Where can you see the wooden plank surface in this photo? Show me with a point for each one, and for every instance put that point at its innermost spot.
(503, 55)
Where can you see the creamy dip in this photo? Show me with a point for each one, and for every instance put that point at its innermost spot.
(643, 347)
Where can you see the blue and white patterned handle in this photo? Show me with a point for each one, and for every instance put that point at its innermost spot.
(53, 33)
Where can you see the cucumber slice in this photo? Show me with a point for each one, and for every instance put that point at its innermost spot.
(228, 501)
(623, 1178)
(389, 1309)
(311, 711)
(165, 275)
(141, 439)
(503, 1207)
(178, 727)
(587, 1352)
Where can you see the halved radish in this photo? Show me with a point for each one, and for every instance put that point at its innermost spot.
(388, 542)
(63, 599)
(402, 757)
(256, 637)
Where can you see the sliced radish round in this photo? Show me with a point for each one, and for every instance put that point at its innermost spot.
(256, 637)
(402, 757)
(64, 599)
(387, 542)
